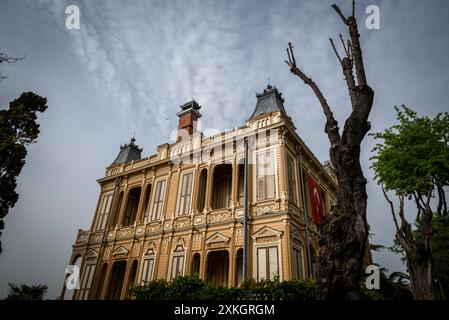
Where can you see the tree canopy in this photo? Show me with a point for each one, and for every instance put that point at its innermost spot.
(414, 153)
(18, 128)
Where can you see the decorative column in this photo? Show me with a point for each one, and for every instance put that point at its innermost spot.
(231, 276)
(283, 193)
(235, 181)
(209, 187)
(129, 266)
(105, 285)
(195, 190)
(143, 192)
(123, 206)
(203, 259)
(288, 251)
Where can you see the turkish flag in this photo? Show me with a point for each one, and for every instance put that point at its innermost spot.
(316, 200)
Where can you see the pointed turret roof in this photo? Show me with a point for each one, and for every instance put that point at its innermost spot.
(270, 100)
(128, 152)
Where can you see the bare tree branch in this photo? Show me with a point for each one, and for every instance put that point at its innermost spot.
(391, 208)
(5, 58)
(344, 47)
(335, 50)
(343, 18)
(331, 124)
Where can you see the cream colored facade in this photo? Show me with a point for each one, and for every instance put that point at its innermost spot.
(180, 211)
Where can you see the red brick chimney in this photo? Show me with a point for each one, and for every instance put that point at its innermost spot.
(188, 118)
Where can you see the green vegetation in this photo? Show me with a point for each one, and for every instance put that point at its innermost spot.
(26, 292)
(193, 288)
(18, 129)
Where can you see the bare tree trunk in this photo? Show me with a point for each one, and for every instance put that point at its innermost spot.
(421, 279)
(417, 250)
(343, 241)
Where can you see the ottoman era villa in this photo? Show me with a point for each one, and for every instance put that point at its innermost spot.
(182, 210)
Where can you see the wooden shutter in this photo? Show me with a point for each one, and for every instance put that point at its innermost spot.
(260, 188)
(261, 264)
(273, 262)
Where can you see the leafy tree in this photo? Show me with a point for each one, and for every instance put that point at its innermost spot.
(18, 129)
(26, 292)
(413, 161)
(344, 234)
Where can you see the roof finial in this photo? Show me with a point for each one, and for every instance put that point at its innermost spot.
(133, 139)
(268, 81)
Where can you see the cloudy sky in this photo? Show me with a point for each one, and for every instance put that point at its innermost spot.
(133, 63)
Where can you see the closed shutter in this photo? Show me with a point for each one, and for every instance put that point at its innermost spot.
(186, 191)
(295, 264)
(180, 265)
(271, 191)
(86, 282)
(158, 200)
(261, 264)
(260, 189)
(174, 266)
(177, 266)
(147, 270)
(273, 262)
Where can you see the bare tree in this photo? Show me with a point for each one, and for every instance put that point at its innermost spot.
(4, 58)
(344, 234)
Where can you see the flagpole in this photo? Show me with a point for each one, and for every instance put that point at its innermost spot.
(306, 225)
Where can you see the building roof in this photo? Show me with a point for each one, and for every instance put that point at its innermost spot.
(129, 152)
(270, 100)
(191, 106)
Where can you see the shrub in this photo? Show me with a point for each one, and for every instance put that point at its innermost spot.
(193, 288)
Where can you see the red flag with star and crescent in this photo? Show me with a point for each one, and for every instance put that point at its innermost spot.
(316, 200)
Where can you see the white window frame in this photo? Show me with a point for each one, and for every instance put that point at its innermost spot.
(274, 150)
(142, 268)
(172, 257)
(101, 219)
(163, 190)
(178, 202)
(86, 281)
(295, 172)
(266, 245)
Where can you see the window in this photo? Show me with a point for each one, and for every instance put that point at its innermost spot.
(186, 194)
(103, 214)
(158, 200)
(267, 263)
(131, 206)
(86, 281)
(177, 267)
(266, 175)
(297, 264)
(147, 270)
(291, 179)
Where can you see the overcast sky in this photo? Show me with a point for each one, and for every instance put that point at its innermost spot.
(132, 64)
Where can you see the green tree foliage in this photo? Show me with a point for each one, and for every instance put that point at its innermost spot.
(193, 288)
(413, 161)
(26, 292)
(18, 128)
(414, 153)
